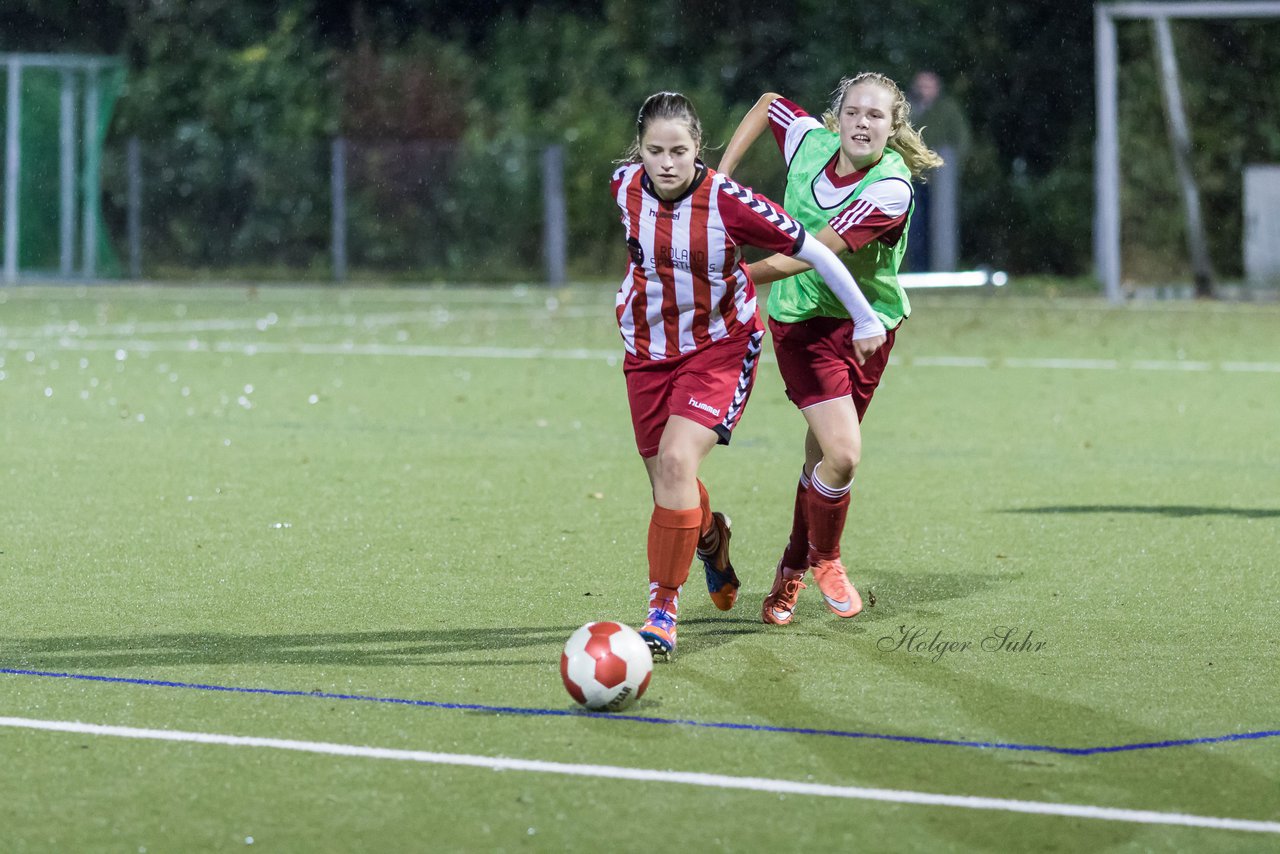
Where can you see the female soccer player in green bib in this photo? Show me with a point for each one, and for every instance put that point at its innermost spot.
(849, 183)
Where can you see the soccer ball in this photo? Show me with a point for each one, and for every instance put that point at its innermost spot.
(606, 666)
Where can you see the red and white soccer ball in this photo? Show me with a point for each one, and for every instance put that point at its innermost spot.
(606, 666)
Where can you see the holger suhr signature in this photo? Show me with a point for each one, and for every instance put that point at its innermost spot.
(924, 641)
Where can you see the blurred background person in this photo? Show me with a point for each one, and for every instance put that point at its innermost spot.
(942, 122)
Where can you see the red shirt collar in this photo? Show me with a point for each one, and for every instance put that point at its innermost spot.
(850, 179)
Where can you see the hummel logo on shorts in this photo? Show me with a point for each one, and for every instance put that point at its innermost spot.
(705, 407)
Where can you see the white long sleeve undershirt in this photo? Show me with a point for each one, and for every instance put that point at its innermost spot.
(865, 322)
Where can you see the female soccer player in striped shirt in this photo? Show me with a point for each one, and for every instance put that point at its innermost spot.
(688, 317)
(849, 182)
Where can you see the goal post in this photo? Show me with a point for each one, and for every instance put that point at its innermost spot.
(1106, 171)
(54, 114)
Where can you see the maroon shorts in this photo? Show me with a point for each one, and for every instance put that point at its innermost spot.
(815, 358)
(709, 386)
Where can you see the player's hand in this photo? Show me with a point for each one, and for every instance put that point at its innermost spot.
(863, 348)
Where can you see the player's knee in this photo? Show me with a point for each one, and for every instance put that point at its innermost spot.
(676, 466)
(840, 465)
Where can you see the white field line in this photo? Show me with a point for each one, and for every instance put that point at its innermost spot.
(341, 349)
(240, 293)
(1252, 367)
(271, 320)
(612, 772)
(73, 336)
(1068, 364)
(949, 361)
(69, 343)
(528, 294)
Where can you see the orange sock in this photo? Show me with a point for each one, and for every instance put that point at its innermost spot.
(705, 526)
(673, 537)
(704, 504)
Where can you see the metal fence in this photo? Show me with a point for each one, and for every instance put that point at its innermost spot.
(196, 205)
(333, 208)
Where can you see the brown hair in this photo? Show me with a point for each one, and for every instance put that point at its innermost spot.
(903, 138)
(664, 105)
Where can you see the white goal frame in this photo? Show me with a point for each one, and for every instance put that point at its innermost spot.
(1106, 167)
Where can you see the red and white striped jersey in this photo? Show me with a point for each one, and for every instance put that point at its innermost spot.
(687, 284)
(880, 211)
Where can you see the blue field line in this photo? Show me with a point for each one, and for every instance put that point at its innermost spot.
(641, 719)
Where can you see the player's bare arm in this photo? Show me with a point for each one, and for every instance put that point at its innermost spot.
(780, 266)
(748, 131)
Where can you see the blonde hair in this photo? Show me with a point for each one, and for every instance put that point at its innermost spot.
(903, 138)
(664, 105)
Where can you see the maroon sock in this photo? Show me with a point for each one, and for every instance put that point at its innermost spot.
(796, 555)
(827, 509)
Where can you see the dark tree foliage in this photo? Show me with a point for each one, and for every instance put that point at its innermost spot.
(55, 26)
(499, 80)
(392, 23)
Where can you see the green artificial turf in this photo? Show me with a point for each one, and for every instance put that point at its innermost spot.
(418, 494)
